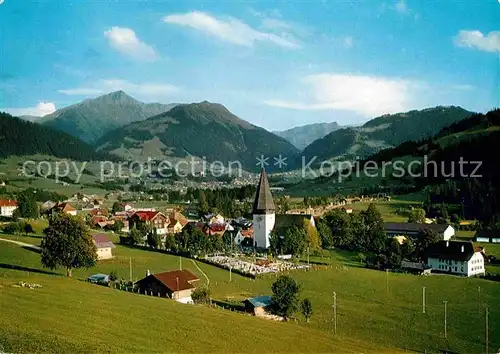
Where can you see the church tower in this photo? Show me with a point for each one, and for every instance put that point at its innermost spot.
(263, 212)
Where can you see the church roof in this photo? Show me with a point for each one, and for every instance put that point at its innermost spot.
(263, 199)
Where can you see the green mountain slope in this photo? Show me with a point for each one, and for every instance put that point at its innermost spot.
(92, 118)
(19, 137)
(200, 129)
(384, 132)
(304, 135)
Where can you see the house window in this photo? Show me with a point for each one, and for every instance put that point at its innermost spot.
(462, 269)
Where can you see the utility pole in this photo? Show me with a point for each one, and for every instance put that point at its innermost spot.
(487, 332)
(423, 299)
(334, 312)
(230, 274)
(130, 266)
(445, 319)
(308, 255)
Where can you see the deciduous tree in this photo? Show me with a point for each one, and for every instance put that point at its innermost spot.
(68, 243)
(306, 309)
(285, 298)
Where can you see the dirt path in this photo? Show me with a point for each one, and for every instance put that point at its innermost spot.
(202, 272)
(21, 244)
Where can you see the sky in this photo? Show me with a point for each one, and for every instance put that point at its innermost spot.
(276, 64)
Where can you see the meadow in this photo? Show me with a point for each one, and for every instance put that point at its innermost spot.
(376, 310)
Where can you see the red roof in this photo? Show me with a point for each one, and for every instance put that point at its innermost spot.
(169, 279)
(217, 227)
(98, 218)
(102, 241)
(6, 203)
(147, 215)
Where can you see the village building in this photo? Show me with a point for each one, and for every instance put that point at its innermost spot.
(488, 236)
(177, 222)
(153, 219)
(257, 305)
(412, 230)
(7, 207)
(104, 246)
(456, 257)
(63, 207)
(177, 285)
(126, 207)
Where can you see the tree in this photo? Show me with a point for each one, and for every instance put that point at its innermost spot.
(28, 229)
(171, 243)
(117, 207)
(68, 243)
(313, 239)
(135, 236)
(417, 215)
(26, 203)
(154, 240)
(294, 240)
(201, 295)
(306, 308)
(285, 297)
(425, 238)
(373, 231)
(325, 234)
(340, 225)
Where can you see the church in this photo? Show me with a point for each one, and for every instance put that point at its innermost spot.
(265, 219)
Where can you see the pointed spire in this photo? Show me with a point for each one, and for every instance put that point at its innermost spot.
(263, 203)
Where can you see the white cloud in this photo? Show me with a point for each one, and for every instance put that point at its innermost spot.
(479, 41)
(366, 95)
(125, 41)
(231, 30)
(40, 110)
(402, 7)
(146, 91)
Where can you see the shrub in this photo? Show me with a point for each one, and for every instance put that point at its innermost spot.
(201, 295)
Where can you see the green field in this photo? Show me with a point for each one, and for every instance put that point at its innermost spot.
(375, 310)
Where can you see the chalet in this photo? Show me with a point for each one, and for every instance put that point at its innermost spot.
(177, 284)
(413, 229)
(456, 257)
(177, 222)
(7, 207)
(49, 204)
(257, 305)
(126, 206)
(64, 207)
(104, 246)
(154, 219)
(488, 236)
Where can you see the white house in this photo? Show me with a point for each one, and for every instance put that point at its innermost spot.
(409, 229)
(104, 246)
(7, 207)
(456, 257)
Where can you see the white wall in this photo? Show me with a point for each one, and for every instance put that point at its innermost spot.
(262, 227)
(448, 233)
(7, 210)
(476, 264)
(104, 253)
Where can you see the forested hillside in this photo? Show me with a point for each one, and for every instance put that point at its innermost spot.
(19, 137)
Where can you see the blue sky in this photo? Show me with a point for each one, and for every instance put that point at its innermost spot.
(277, 64)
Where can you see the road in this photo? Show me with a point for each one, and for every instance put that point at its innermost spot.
(21, 244)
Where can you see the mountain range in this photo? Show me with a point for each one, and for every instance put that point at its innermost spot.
(92, 118)
(304, 135)
(204, 130)
(384, 132)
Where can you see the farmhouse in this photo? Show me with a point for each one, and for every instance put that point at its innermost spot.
(7, 207)
(177, 284)
(64, 207)
(456, 257)
(154, 219)
(488, 236)
(104, 246)
(408, 229)
(257, 305)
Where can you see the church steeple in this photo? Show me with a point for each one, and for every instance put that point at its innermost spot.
(263, 203)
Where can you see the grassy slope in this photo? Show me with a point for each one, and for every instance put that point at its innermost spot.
(67, 315)
(366, 310)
